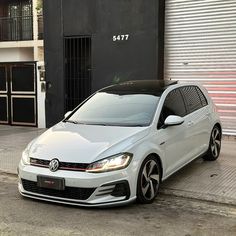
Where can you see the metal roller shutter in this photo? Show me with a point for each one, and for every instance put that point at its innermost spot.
(200, 45)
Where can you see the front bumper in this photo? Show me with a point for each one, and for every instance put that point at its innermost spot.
(81, 188)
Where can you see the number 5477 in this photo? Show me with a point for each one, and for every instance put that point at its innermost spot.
(121, 37)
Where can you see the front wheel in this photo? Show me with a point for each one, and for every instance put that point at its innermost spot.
(148, 180)
(214, 145)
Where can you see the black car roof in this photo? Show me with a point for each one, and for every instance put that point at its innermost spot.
(152, 87)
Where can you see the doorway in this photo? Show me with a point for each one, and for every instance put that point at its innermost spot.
(18, 94)
(77, 51)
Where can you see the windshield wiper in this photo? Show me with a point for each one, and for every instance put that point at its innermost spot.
(131, 125)
(71, 121)
(105, 124)
(101, 124)
(117, 124)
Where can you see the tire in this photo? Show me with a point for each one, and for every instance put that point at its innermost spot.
(149, 179)
(214, 145)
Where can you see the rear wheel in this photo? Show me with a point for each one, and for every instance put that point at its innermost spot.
(214, 145)
(148, 180)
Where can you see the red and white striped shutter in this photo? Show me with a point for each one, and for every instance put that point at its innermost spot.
(200, 45)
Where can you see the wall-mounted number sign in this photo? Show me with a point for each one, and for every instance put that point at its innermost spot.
(120, 37)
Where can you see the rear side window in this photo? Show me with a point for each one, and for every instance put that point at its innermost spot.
(173, 105)
(202, 97)
(192, 98)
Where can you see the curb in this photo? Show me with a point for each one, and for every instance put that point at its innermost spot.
(199, 196)
(3, 172)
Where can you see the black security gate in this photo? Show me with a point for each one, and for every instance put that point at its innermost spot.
(77, 70)
(18, 94)
(4, 110)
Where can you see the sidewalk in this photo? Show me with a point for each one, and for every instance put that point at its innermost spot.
(213, 181)
(13, 140)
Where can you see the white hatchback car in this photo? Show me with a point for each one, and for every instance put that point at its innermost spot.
(118, 145)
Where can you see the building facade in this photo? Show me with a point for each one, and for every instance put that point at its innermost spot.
(90, 44)
(21, 55)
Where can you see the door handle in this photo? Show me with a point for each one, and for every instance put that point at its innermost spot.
(207, 112)
(190, 123)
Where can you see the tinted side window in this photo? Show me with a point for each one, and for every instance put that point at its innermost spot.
(192, 98)
(173, 105)
(202, 97)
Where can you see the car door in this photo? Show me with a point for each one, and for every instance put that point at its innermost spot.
(197, 120)
(174, 141)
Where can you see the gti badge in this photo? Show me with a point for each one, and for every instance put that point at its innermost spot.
(54, 165)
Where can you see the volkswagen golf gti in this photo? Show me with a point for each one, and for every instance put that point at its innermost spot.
(121, 143)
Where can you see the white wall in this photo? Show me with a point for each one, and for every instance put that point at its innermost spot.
(16, 54)
(41, 100)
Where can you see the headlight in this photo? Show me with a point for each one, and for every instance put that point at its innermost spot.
(117, 162)
(25, 157)
(25, 154)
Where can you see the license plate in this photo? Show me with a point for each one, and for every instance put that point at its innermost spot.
(51, 182)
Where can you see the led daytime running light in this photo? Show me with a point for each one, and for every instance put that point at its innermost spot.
(117, 162)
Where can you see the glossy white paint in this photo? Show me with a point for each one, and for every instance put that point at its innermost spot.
(174, 120)
(175, 145)
(85, 143)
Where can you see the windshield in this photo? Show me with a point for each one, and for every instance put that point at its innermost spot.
(117, 110)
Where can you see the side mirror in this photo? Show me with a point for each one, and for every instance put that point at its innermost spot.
(173, 120)
(67, 114)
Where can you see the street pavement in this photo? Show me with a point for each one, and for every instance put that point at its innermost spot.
(213, 181)
(210, 181)
(167, 216)
(13, 141)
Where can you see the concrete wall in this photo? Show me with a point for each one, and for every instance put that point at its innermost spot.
(137, 58)
(16, 54)
(40, 99)
(53, 49)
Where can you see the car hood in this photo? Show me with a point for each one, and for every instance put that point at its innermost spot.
(84, 143)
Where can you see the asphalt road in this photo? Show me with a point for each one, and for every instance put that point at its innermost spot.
(168, 215)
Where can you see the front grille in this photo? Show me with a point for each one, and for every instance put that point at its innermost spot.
(39, 162)
(69, 192)
(63, 165)
(73, 166)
